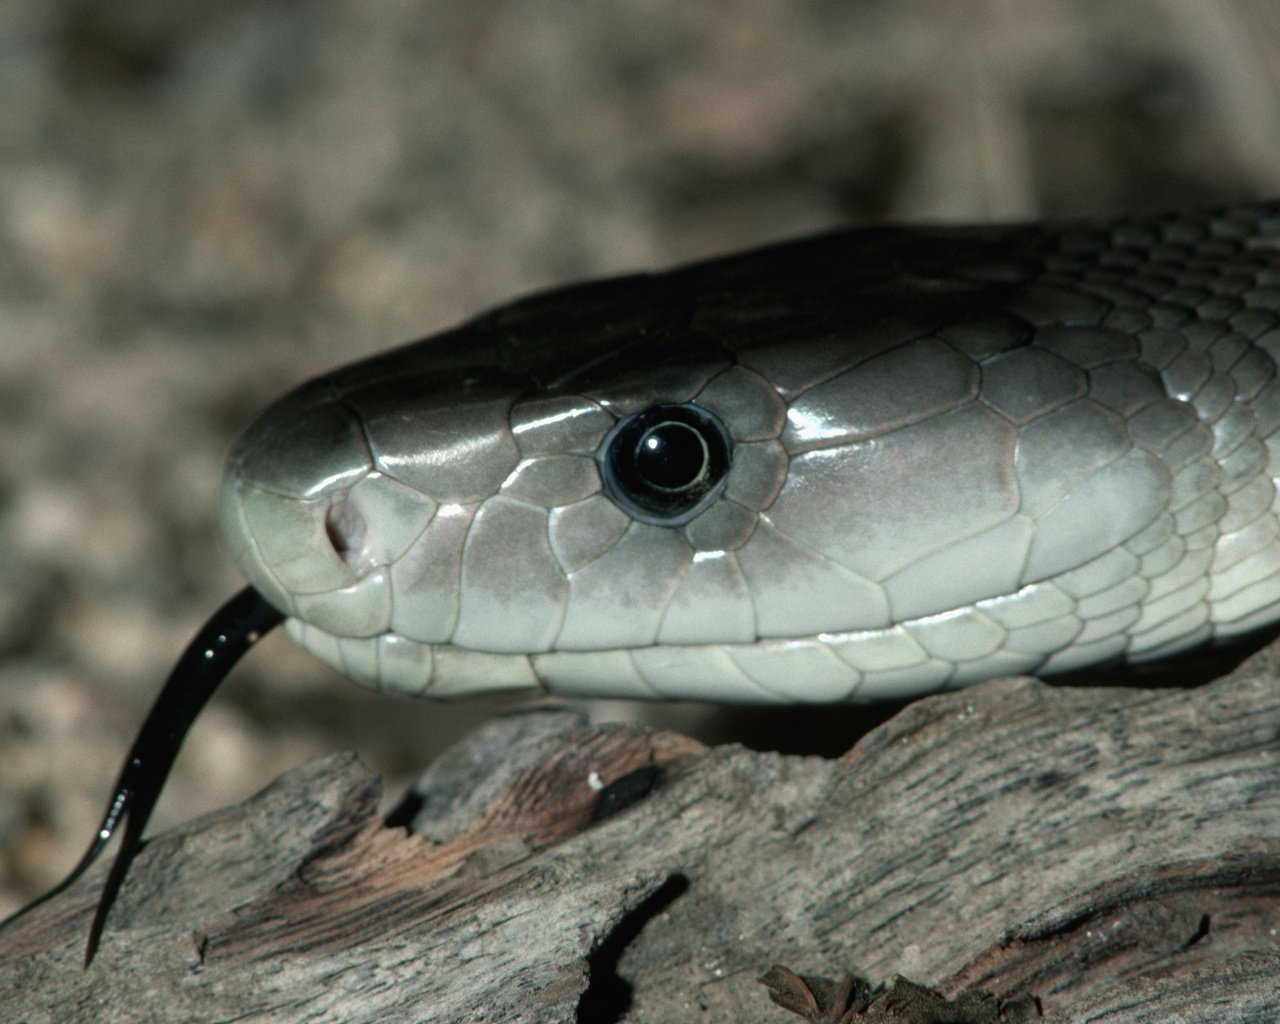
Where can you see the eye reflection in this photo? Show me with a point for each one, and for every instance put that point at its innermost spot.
(665, 465)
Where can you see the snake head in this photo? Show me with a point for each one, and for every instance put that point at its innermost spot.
(457, 514)
(869, 465)
(864, 465)
(326, 491)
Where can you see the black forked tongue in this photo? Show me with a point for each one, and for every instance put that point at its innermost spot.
(234, 628)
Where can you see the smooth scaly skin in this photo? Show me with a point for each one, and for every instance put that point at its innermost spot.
(958, 454)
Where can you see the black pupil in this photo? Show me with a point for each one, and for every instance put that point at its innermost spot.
(671, 456)
(666, 464)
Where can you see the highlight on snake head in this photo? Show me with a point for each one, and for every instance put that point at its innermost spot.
(866, 465)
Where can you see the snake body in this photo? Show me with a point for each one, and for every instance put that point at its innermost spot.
(953, 454)
(869, 464)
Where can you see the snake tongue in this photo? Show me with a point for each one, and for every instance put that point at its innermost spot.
(231, 631)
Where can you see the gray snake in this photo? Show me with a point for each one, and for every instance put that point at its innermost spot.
(954, 454)
(869, 464)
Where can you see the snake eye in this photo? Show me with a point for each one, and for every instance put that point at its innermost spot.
(666, 464)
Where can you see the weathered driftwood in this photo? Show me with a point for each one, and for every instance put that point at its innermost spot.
(1113, 853)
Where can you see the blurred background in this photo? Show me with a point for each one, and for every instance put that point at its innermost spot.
(203, 204)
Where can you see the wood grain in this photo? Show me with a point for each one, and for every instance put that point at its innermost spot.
(1106, 854)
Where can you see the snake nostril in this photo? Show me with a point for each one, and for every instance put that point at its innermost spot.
(345, 529)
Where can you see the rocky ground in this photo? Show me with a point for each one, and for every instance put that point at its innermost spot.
(201, 205)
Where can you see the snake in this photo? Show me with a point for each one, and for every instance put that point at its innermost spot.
(870, 464)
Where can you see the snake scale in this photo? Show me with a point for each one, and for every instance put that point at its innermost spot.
(869, 464)
(954, 454)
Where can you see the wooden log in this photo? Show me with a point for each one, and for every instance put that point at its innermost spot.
(1086, 854)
